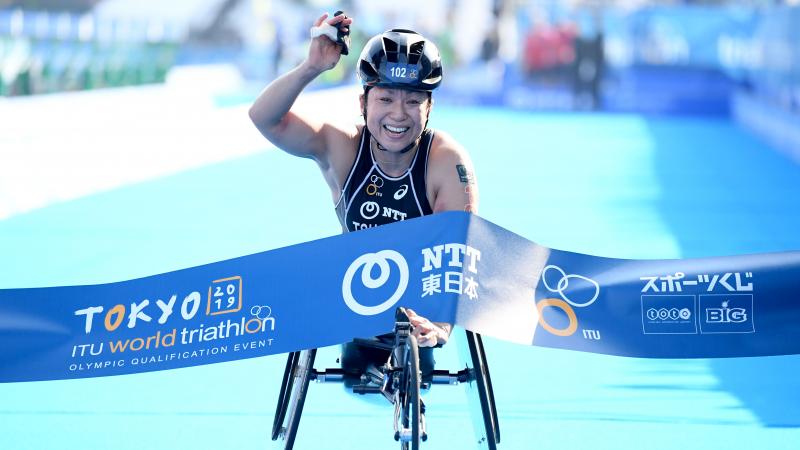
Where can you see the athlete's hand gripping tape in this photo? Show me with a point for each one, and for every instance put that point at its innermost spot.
(334, 33)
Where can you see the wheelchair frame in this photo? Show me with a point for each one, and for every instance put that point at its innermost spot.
(399, 380)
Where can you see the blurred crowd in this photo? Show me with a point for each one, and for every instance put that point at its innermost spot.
(582, 54)
(44, 52)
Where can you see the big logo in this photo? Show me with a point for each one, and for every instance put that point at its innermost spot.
(727, 313)
(366, 263)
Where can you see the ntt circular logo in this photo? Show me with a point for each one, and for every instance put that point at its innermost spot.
(369, 210)
(366, 263)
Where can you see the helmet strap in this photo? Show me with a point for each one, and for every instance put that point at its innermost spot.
(404, 150)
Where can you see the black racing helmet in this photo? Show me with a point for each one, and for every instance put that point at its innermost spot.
(401, 59)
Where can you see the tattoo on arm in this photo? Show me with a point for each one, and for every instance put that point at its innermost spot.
(465, 175)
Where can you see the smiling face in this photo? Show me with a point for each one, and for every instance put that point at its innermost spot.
(396, 117)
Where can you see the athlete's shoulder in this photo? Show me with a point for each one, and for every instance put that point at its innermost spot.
(342, 144)
(343, 135)
(446, 150)
(451, 177)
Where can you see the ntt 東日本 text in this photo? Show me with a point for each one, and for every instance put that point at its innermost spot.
(454, 281)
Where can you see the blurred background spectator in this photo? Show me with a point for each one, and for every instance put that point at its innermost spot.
(697, 57)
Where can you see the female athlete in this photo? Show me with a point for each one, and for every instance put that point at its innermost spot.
(390, 168)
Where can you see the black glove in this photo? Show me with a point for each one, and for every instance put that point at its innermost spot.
(342, 37)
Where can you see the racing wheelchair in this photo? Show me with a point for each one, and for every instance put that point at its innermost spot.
(400, 381)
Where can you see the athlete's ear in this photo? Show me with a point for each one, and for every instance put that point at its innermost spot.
(430, 107)
(362, 99)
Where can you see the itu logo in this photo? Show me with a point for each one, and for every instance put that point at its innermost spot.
(557, 281)
(375, 185)
(261, 310)
(563, 284)
(366, 263)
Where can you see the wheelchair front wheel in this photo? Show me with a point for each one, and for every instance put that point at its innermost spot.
(489, 389)
(283, 396)
(301, 378)
(483, 383)
(410, 417)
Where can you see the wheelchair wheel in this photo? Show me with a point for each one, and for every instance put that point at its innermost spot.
(283, 397)
(489, 389)
(301, 377)
(485, 392)
(409, 397)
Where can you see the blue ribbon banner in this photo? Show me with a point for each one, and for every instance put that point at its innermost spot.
(451, 267)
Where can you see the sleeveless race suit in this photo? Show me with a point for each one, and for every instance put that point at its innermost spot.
(371, 198)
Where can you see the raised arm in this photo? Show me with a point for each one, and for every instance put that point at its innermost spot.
(271, 113)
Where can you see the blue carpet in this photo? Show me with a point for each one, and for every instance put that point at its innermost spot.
(612, 185)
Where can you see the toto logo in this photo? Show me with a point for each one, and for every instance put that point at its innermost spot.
(366, 263)
(669, 314)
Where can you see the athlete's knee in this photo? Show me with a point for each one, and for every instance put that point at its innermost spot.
(352, 359)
